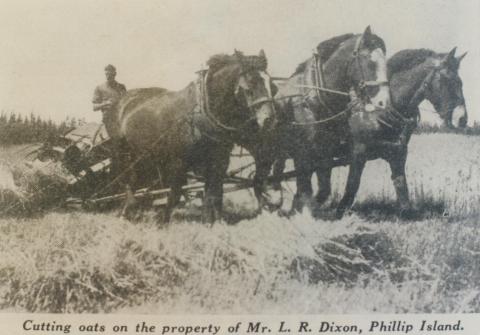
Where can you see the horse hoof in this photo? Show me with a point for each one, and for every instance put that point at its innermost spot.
(271, 202)
(284, 213)
(124, 216)
(270, 208)
(339, 214)
(407, 213)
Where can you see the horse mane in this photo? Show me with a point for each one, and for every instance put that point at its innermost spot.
(407, 59)
(219, 61)
(326, 48)
(376, 42)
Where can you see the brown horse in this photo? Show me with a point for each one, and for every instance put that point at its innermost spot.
(195, 129)
(414, 76)
(315, 125)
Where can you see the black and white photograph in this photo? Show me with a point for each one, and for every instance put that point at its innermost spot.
(220, 157)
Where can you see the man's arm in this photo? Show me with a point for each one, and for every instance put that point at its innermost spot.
(102, 105)
(97, 101)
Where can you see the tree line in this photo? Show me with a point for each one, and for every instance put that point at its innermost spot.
(19, 129)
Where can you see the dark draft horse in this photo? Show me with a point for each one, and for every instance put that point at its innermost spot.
(414, 76)
(315, 126)
(195, 129)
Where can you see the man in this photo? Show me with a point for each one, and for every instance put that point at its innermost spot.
(105, 99)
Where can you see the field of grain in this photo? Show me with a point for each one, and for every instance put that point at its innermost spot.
(370, 261)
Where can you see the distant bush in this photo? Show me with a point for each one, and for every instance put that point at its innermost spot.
(426, 128)
(18, 129)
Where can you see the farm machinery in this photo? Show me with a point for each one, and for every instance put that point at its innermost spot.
(83, 161)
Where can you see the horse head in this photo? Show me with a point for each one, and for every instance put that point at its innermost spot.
(443, 88)
(241, 86)
(367, 70)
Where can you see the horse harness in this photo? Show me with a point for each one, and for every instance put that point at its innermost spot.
(202, 107)
(411, 122)
(321, 90)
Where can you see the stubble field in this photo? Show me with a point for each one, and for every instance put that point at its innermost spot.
(370, 261)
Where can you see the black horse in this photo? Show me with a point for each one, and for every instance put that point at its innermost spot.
(414, 76)
(195, 129)
(315, 106)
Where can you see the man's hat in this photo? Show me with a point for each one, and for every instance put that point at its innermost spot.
(110, 67)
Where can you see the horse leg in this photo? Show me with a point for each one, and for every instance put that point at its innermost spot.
(262, 170)
(353, 182)
(213, 201)
(277, 171)
(397, 163)
(172, 201)
(130, 203)
(212, 207)
(304, 193)
(177, 179)
(324, 184)
(122, 161)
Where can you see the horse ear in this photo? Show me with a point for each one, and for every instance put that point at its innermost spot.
(451, 54)
(263, 60)
(450, 60)
(459, 59)
(367, 34)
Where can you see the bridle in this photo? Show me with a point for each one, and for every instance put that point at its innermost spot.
(425, 88)
(261, 100)
(320, 88)
(420, 93)
(212, 119)
(363, 84)
(418, 96)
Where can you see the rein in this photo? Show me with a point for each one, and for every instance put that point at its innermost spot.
(320, 87)
(417, 97)
(420, 92)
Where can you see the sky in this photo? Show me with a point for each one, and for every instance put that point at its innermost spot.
(54, 51)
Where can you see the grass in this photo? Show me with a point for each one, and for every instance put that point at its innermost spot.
(370, 261)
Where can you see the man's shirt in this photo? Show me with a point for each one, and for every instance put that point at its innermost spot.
(106, 92)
